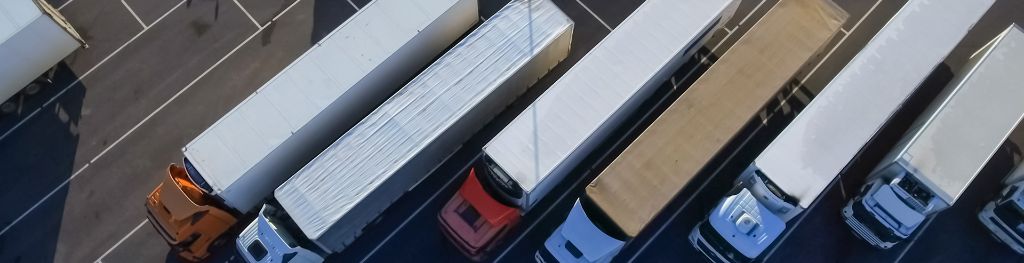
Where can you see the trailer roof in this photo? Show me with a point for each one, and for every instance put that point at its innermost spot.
(247, 134)
(659, 164)
(958, 140)
(15, 15)
(831, 130)
(367, 155)
(594, 89)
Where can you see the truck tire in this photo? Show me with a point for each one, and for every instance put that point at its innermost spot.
(32, 88)
(8, 107)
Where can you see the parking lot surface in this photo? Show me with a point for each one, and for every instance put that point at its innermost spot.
(80, 157)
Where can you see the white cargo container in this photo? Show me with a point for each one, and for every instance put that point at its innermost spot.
(336, 195)
(237, 162)
(946, 148)
(33, 38)
(531, 155)
(1004, 216)
(792, 172)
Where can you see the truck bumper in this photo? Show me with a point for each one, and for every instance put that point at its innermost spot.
(704, 247)
(182, 252)
(999, 230)
(862, 231)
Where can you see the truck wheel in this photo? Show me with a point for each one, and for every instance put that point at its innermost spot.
(32, 88)
(8, 107)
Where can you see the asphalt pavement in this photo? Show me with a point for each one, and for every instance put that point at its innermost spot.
(80, 157)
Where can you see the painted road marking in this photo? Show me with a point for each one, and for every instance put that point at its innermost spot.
(144, 221)
(133, 14)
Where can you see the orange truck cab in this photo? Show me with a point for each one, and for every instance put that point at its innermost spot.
(186, 215)
(482, 212)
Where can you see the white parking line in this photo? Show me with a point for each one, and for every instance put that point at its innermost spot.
(133, 14)
(417, 211)
(742, 144)
(47, 103)
(353, 4)
(64, 4)
(144, 221)
(246, 14)
(752, 11)
(144, 120)
(595, 15)
(842, 189)
(912, 241)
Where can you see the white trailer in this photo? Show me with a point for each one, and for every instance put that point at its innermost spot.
(349, 184)
(792, 172)
(536, 151)
(33, 38)
(1004, 216)
(946, 148)
(271, 134)
(238, 161)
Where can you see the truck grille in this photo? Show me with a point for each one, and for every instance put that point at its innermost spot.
(862, 231)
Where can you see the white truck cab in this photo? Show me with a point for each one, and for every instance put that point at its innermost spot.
(269, 239)
(1004, 216)
(579, 239)
(750, 218)
(892, 206)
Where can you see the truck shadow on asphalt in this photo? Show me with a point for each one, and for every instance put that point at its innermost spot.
(35, 162)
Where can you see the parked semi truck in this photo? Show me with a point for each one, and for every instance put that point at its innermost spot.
(623, 199)
(327, 204)
(233, 166)
(34, 37)
(945, 149)
(793, 171)
(1004, 216)
(536, 151)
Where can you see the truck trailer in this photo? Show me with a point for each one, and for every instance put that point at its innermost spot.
(233, 166)
(1004, 216)
(796, 167)
(327, 204)
(654, 168)
(34, 37)
(945, 149)
(537, 150)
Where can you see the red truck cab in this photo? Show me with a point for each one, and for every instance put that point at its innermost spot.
(481, 212)
(186, 216)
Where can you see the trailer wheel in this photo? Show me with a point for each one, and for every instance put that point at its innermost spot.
(8, 107)
(32, 88)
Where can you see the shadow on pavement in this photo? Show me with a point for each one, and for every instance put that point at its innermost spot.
(35, 162)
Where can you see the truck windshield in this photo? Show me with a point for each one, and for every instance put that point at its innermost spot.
(921, 195)
(601, 220)
(1011, 215)
(497, 183)
(775, 189)
(272, 217)
(197, 178)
